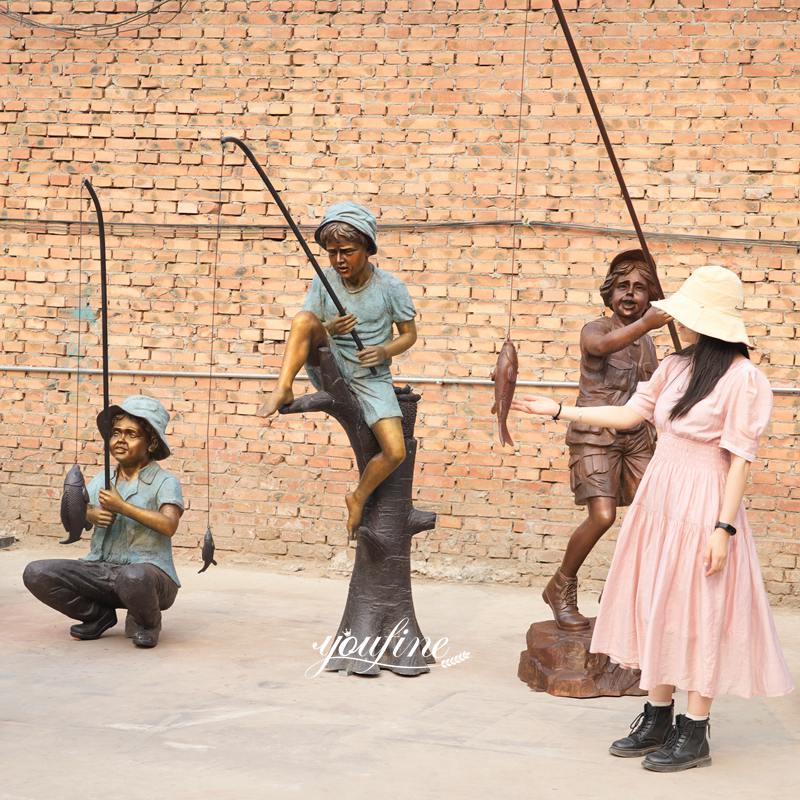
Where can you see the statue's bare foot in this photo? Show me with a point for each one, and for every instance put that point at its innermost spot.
(355, 510)
(278, 397)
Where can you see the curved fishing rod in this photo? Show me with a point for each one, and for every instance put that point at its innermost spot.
(295, 230)
(104, 327)
(562, 20)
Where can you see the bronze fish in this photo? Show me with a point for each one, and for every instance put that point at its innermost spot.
(74, 502)
(504, 376)
(208, 551)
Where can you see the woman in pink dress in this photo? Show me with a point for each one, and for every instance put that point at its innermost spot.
(684, 600)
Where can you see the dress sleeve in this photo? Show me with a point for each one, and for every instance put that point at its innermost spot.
(400, 301)
(643, 400)
(170, 492)
(747, 413)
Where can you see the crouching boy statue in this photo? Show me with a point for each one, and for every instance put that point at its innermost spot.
(129, 564)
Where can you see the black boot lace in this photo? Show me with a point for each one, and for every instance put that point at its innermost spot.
(671, 741)
(635, 723)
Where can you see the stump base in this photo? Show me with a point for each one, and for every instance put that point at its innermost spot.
(559, 663)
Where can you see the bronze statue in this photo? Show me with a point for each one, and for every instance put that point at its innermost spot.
(380, 587)
(129, 564)
(607, 465)
(377, 304)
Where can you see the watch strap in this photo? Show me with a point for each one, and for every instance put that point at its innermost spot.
(726, 527)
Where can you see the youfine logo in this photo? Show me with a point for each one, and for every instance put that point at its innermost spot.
(382, 651)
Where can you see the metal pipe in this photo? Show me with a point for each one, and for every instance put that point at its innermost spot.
(268, 376)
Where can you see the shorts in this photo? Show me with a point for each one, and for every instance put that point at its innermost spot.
(375, 393)
(613, 470)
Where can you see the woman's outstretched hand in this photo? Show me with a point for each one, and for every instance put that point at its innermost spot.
(535, 404)
(716, 551)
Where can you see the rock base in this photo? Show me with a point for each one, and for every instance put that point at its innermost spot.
(559, 663)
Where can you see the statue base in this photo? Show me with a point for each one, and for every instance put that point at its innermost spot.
(559, 663)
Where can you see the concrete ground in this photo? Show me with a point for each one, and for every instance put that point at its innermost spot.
(222, 708)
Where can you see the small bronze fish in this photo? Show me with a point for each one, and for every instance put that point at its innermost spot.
(208, 551)
(504, 376)
(74, 502)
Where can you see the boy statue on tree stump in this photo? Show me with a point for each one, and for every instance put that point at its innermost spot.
(607, 465)
(375, 302)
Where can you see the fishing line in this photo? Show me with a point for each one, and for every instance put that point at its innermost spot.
(211, 346)
(80, 323)
(516, 172)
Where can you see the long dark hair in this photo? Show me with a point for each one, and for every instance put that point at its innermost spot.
(711, 359)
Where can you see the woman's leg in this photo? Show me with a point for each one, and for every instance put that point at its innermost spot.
(661, 695)
(307, 334)
(389, 433)
(699, 707)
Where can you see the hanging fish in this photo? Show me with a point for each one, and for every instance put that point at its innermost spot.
(208, 551)
(504, 376)
(74, 502)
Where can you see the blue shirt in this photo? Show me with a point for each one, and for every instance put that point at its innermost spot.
(383, 301)
(128, 541)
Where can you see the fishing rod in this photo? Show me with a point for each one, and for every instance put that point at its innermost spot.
(104, 328)
(75, 498)
(562, 20)
(295, 230)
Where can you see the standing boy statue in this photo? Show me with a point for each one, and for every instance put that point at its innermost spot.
(607, 465)
(376, 301)
(130, 561)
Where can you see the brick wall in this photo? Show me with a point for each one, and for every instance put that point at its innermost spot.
(411, 108)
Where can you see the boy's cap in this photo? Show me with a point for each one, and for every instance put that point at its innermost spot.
(143, 407)
(627, 255)
(362, 219)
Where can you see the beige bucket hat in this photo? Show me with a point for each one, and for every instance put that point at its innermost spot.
(710, 302)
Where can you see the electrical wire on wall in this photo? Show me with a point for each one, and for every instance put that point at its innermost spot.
(141, 19)
(276, 230)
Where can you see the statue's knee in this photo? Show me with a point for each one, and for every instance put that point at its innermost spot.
(605, 517)
(33, 575)
(131, 579)
(396, 453)
(305, 321)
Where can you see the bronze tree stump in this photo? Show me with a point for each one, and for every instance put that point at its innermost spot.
(379, 598)
(559, 663)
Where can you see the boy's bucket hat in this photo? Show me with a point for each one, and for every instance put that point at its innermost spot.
(710, 302)
(360, 218)
(143, 407)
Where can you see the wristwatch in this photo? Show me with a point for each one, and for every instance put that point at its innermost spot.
(727, 528)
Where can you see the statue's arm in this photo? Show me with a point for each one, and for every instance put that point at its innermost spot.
(600, 343)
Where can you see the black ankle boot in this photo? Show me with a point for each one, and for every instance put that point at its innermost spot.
(649, 731)
(94, 629)
(686, 748)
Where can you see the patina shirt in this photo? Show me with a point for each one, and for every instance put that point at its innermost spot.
(128, 541)
(381, 302)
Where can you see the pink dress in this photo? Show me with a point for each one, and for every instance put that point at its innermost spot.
(659, 612)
